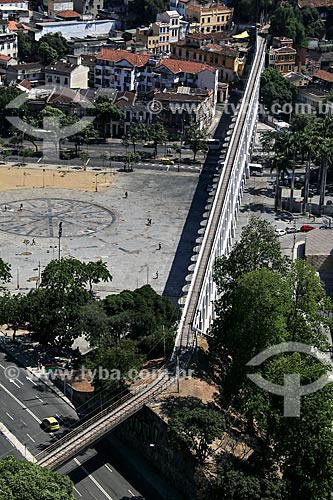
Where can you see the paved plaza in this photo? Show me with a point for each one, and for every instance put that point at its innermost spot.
(105, 225)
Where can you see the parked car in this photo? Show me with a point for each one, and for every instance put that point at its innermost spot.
(209, 188)
(50, 424)
(149, 144)
(279, 231)
(306, 228)
(291, 229)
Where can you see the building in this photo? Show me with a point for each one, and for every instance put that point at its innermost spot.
(6, 61)
(172, 19)
(68, 15)
(197, 47)
(88, 8)
(8, 41)
(155, 38)
(121, 70)
(65, 74)
(183, 105)
(55, 6)
(298, 79)
(174, 73)
(77, 29)
(33, 72)
(210, 19)
(282, 55)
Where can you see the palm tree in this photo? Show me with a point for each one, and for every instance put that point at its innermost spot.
(326, 158)
(310, 141)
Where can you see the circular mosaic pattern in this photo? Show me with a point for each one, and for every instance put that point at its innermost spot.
(41, 217)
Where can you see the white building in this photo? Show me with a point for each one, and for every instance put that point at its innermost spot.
(172, 19)
(120, 69)
(8, 41)
(73, 76)
(55, 6)
(179, 6)
(77, 29)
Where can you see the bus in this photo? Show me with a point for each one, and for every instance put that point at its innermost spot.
(256, 169)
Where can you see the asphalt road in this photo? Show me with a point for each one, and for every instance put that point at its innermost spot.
(24, 403)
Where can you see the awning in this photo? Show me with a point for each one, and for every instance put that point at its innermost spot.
(241, 36)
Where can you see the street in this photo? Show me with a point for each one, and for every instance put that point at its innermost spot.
(25, 402)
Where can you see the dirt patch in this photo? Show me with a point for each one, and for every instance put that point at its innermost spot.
(25, 178)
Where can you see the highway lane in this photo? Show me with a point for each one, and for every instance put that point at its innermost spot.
(95, 477)
(25, 401)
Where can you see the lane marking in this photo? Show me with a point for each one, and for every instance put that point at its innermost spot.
(131, 493)
(32, 439)
(9, 415)
(19, 381)
(21, 404)
(40, 399)
(13, 382)
(30, 380)
(2, 367)
(77, 491)
(16, 443)
(108, 467)
(93, 480)
(25, 425)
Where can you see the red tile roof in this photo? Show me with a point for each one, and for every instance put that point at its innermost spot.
(10, 1)
(136, 60)
(315, 3)
(324, 75)
(66, 13)
(179, 66)
(4, 58)
(26, 84)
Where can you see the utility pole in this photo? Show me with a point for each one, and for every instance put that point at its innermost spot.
(164, 350)
(59, 238)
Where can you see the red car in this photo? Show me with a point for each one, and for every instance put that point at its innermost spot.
(306, 228)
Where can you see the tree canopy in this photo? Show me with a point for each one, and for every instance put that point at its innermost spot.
(23, 480)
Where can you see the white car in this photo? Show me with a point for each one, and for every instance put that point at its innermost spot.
(279, 231)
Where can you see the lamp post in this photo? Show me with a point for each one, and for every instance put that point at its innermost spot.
(59, 239)
(292, 217)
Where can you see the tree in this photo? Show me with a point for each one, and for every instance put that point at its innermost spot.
(84, 157)
(7, 95)
(21, 479)
(47, 54)
(284, 22)
(314, 26)
(275, 89)
(130, 160)
(104, 157)
(107, 113)
(57, 42)
(157, 134)
(85, 136)
(136, 133)
(14, 311)
(24, 46)
(144, 11)
(97, 272)
(5, 274)
(197, 138)
(65, 274)
(197, 428)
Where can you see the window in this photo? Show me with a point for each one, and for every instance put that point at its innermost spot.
(66, 80)
(282, 58)
(208, 20)
(291, 58)
(289, 67)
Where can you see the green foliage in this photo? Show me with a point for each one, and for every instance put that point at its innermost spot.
(5, 274)
(250, 10)
(197, 428)
(47, 54)
(144, 11)
(275, 89)
(284, 22)
(131, 159)
(234, 482)
(97, 272)
(65, 274)
(56, 42)
(314, 26)
(24, 46)
(157, 134)
(106, 112)
(24, 480)
(7, 94)
(197, 138)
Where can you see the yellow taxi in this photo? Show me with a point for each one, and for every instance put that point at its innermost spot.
(50, 424)
(167, 161)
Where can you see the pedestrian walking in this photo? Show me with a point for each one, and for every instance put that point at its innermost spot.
(156, 277)
(5, 208)
(21, 207)
(159, 246)
(33, 241)
(126, 194)
(148, 222)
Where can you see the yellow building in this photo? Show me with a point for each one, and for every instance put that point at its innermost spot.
(226, 59)
(210, 19)
(155, 37)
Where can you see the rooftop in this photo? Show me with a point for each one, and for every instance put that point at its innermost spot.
(136, 60)
(67, 13)
(315, 3)
(326, 76)
(179, 66)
